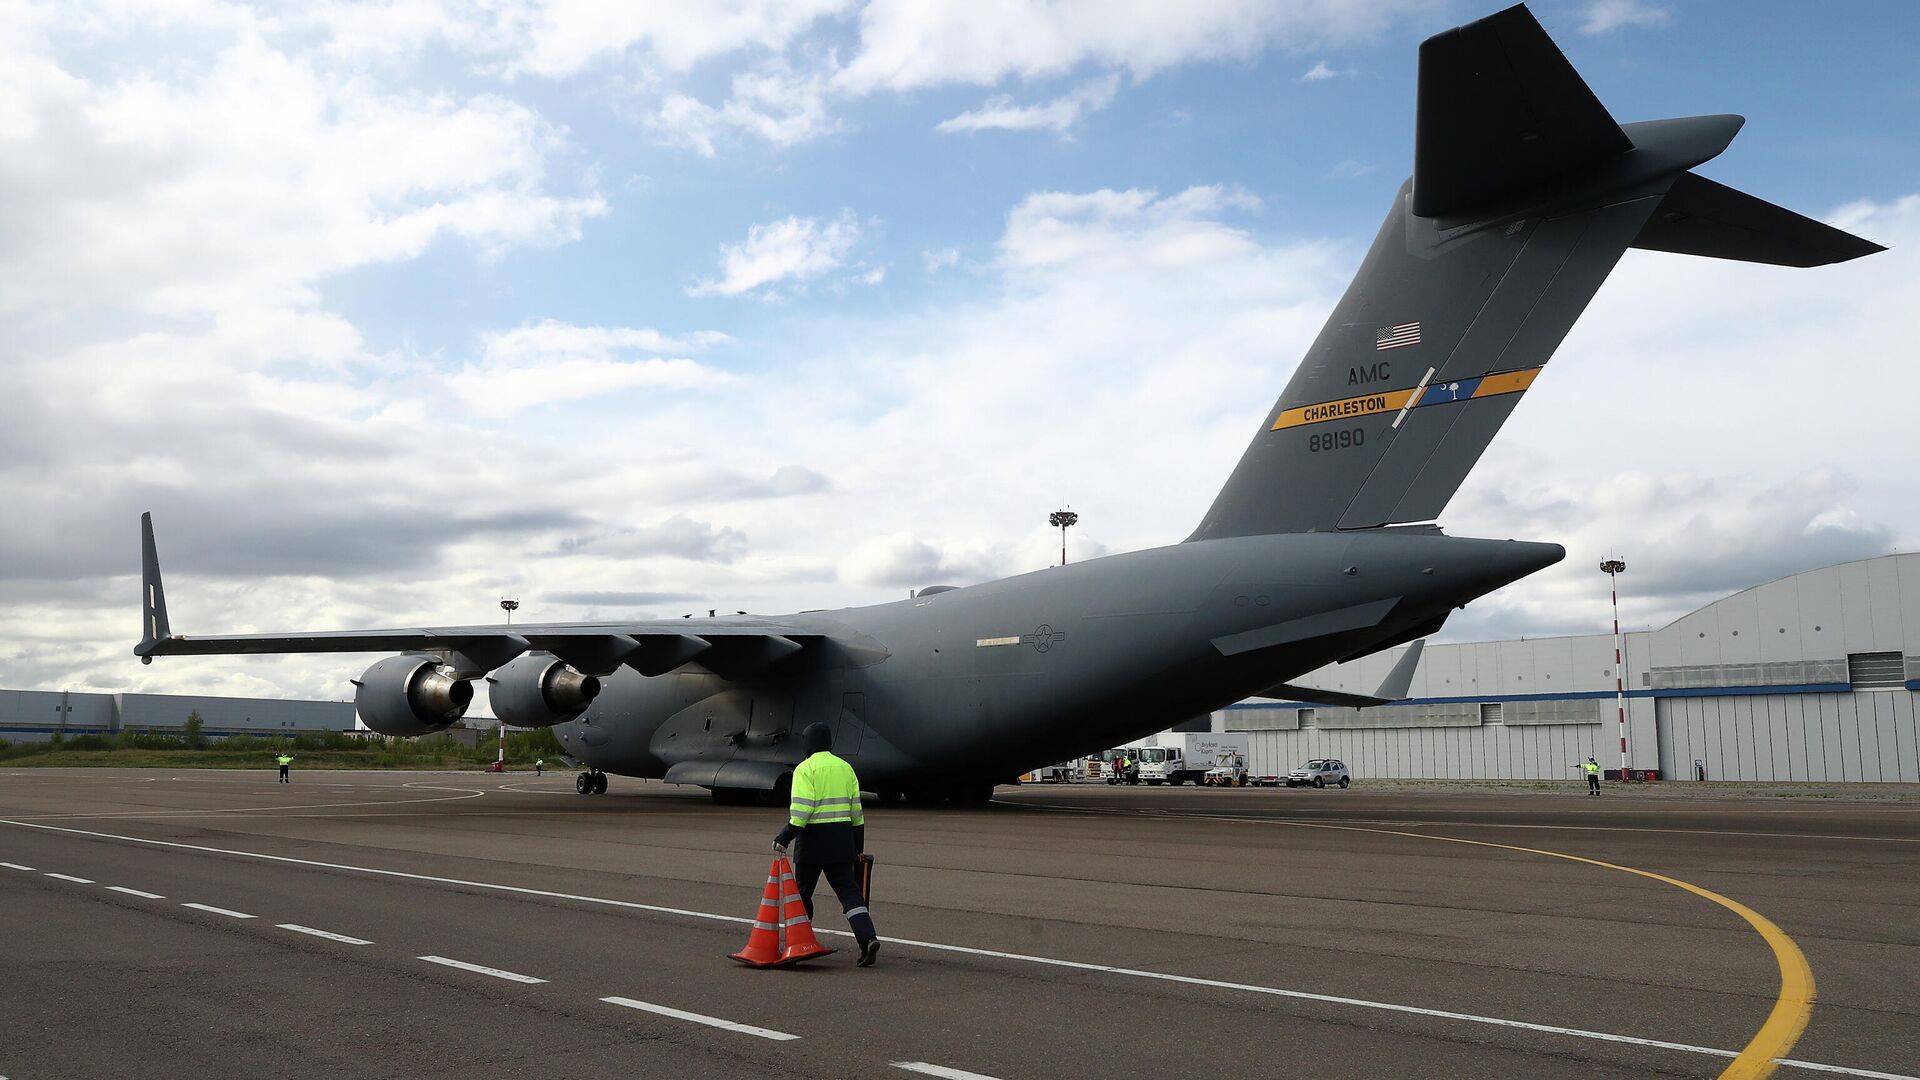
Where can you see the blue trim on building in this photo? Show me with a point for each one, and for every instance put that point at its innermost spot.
(1594, 695)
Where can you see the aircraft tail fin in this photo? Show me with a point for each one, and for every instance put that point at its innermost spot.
(153, 596)
(1525, 193)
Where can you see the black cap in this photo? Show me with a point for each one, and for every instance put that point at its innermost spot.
(817, 738)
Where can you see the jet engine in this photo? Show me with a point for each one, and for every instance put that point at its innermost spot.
(540, 690)
(410, 695)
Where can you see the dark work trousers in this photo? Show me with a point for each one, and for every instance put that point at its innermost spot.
(283, 775)
(846, 886)
(1593, 783)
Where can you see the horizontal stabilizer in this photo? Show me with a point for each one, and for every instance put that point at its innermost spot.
(1502, 112)
(1700, 217)
(1393, 688)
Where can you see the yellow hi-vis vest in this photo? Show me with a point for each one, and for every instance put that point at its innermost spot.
(1591, 768)
(825, 791)
(285, 760)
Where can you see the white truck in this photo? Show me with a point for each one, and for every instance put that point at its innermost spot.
(1179, 756)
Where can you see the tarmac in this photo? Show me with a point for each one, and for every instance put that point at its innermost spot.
(220, 924)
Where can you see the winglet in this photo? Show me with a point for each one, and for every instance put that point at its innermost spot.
(1392, 689)
(153, 596)
(1398, 681)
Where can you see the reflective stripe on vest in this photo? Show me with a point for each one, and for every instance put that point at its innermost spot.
(825, 791)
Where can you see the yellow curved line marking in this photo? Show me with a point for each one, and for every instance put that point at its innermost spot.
(1791, 1010)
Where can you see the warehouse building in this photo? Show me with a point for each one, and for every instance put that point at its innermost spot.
(1811, 677)
(36, 715)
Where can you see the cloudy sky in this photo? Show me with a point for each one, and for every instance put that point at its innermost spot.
(390, 310)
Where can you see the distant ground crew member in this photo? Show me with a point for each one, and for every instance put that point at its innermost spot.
(539, 766)
(825, 816)
(286, 760)
(1593, 775)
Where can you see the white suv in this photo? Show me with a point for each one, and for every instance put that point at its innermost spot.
(1320, 772)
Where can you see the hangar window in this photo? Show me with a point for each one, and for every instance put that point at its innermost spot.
(1875, 671)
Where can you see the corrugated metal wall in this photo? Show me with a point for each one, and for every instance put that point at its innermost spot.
(1861, 736)
(1488, 751)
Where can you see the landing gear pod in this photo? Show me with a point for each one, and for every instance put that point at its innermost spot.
(410, 695)
(540, 690)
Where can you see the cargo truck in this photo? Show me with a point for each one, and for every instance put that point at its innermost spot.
(1179, 756)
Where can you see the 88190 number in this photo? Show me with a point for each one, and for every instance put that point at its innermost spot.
(1344, 439)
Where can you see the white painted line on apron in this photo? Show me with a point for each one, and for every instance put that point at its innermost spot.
(510, 976)
(219, 911)
(931, 1069)
(710, 1021)
(328, 934)
(136, 892)
(70, 877)
(1161, 976)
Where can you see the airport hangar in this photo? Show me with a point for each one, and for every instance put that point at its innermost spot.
(37, 715)
(1811, 677)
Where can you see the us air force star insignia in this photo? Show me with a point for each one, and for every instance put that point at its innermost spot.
(1043, 638)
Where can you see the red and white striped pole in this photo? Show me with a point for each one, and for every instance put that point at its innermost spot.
(1612, 568)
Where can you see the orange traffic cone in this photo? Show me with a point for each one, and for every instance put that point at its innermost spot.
(763, 945)
(801, 944)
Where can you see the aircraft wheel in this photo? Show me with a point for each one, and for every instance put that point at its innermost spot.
(583, 783)
(599, 783)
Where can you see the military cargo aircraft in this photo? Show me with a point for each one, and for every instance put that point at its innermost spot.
(1321, 546)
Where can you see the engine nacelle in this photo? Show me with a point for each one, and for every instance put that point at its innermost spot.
(540, 690)
(410, 695)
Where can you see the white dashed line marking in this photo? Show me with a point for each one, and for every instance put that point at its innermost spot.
(328, 934)
(219, 911)
(510, 976)
(136, 892)
(697, 1018)
(15, 866)
(1053, 962)
(939, 1070)
(70, 877)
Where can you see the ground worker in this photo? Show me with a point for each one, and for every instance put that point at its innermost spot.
(825, 816)
(1592, 768)
(539, 766)
(285, 761)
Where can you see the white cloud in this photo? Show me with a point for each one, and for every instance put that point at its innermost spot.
(1320, 72)
(1134, 227)
(793, 249)
(940, 259)
(773, 104)
(1000, 113)
(1605, 16)
(909, 44)
(559, 38)
(247, 181)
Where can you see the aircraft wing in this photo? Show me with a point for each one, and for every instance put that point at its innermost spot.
(730, 646)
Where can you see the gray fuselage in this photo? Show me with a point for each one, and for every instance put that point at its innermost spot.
(978, 684)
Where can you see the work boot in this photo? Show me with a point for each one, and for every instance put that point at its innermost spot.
(869, 952)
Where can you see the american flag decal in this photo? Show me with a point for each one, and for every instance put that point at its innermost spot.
(1394, 337)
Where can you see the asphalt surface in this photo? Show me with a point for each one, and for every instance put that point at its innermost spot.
(1059, 931)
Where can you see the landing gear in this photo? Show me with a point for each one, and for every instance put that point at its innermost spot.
(593, 782)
